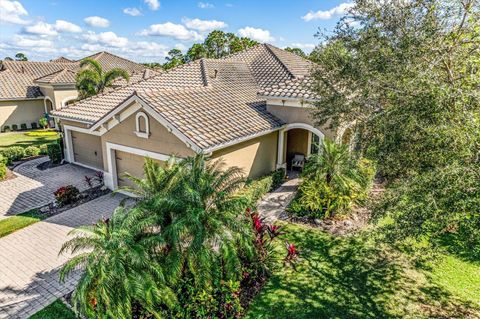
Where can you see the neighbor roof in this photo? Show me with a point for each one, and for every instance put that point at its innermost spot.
(20, 76)
(211, 101)
(297, 88)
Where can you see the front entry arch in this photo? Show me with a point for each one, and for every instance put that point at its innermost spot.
(282, 152)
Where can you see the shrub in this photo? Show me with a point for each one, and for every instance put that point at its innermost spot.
(23, 126)
(14, 127)
(3, 168)
(66, 195)
(54, 152)
(34, 125)
(333, 181)
(41, 133)
(32, 151)
(43, 122)
(13, 153)
(43, 149)
(278, 176)
(6, 128)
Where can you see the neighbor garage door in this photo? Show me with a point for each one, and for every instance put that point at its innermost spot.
(131, 164)
(87, 149)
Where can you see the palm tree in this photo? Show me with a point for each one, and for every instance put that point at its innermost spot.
(92, 79)
(199, 215)
(118, 270)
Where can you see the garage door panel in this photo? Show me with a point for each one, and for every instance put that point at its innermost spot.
(87, 149)
(131, 164)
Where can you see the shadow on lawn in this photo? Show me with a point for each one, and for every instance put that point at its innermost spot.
(350, 278)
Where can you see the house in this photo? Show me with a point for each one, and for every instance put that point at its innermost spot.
(30, 89)
(251, 109)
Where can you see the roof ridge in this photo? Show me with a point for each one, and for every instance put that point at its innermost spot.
(267, 46)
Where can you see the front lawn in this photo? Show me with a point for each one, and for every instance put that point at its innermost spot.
(27, 138)
(352, 277)
(14, 223)
(57, 310)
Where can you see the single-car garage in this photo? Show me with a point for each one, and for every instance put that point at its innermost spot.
(130, 163)
(87, 149)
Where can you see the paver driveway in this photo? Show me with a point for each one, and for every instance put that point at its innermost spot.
(33, 188)
(29, 260)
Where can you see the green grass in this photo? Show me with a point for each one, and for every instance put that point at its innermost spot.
(14, 223)
(355, 277)
(57, 310)
(25, 139)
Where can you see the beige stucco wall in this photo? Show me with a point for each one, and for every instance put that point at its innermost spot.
(295, 114)
(21, 111)
(160, 140)
(58, 94)
(256, 157)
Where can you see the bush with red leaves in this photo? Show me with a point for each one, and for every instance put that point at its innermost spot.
(66, 195)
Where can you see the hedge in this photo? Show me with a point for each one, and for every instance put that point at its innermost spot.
(3, 167)
(254, 190)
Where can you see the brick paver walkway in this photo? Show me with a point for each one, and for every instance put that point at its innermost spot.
(272, 206)
(29, 261)
(33, 188)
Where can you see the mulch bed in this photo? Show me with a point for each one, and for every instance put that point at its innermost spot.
(48, 164)
(23, 160)
(85, 196)
(9, 175)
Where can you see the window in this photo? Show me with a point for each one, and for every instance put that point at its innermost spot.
(142, 128)
(315, 145)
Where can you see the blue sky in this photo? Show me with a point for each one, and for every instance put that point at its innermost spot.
(144, 30)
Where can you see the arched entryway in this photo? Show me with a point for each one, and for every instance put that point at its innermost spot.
(299, 139)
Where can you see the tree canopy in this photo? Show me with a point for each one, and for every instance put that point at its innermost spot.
(405, 76)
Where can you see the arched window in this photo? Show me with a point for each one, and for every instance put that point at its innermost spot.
(142, 128)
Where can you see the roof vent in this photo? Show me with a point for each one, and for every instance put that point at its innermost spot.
(215, 72)
(22, 69)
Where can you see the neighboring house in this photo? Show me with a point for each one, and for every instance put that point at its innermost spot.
(29, 89)
(251, 109)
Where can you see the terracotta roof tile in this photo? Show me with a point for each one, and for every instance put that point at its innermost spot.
(62, 76)
(298, 88)
(211, 101)
(13, 86)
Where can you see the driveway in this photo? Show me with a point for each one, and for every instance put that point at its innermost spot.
(33, 188)
(29, 260)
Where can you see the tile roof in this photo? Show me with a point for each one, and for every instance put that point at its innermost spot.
(62, 76)
(211, 101)
(60, 69)
(17, 87)
(298, 88)
(62, 60)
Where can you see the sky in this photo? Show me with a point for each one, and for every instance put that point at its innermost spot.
(145, 30)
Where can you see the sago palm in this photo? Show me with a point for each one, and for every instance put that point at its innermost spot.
(118, 270)
(92, 79)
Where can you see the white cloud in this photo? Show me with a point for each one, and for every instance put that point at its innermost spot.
(109, 39)
(153, 4)
(256, 34)
(148, 49)
(65, 26)
(303, 46)
(96, 21)
(12, 12)
(41, 28)
(172, 30)
(328, 14)
(203, 25)
(134, 12)
(19, 41)
(205, 5)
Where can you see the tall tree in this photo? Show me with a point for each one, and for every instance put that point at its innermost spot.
(92, 79)
(21, 57)
(297, 51)
(175, 58)
(406, 77)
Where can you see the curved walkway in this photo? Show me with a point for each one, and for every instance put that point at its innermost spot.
(29, 260)
(34, 188)
(273, 205)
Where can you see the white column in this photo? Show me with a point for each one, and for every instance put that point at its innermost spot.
(309, 143)
(70, 157)
(281, 144)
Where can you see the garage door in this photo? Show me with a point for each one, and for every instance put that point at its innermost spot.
(87, 149)
(129, 163)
